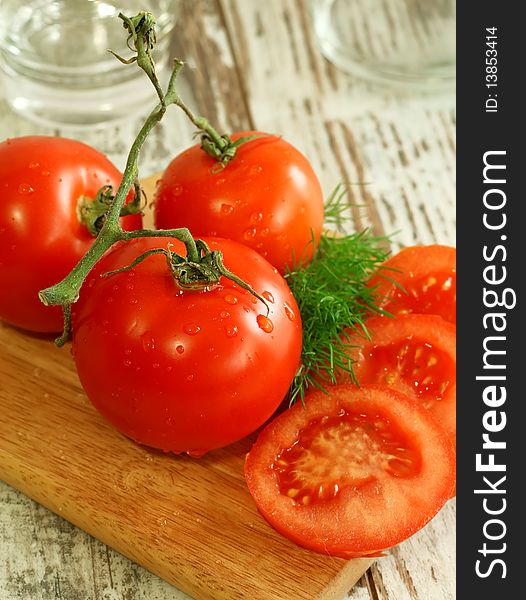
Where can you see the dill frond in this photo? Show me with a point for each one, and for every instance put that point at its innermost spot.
(332, 295)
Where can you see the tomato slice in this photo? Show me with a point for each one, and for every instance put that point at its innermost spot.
(419, 279)
(415, 354)
(353, 472)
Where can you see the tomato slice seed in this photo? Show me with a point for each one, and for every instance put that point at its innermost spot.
(421, 365)
(428, 294)
(348, 450)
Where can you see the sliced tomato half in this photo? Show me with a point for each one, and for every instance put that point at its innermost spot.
(415, 354)
(353, 472)
(419, 279)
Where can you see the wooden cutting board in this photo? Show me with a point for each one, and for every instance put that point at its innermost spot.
(192, 522)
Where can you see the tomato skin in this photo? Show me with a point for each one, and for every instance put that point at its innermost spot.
(41, 239)
(268, 198)
(381, 360)
(428, 277)
(379, 513)
(185, 371)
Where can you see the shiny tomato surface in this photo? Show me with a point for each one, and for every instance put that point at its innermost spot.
(179, 370)
(268, 198)
(353, 472)
(41, 238)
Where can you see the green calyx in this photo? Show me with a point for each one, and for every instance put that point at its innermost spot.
(92, 212)
(201, 271)
(221, 148)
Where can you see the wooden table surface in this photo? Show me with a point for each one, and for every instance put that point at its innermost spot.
(256, 65)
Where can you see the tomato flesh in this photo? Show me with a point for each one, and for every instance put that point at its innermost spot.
(415, 354)
(428, 295)
(427, 370)
(352, 472)
(420, 280)
(348, 450)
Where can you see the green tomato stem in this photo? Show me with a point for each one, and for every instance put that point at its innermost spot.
(141, 30)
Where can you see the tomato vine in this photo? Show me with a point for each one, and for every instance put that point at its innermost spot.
(141, 40)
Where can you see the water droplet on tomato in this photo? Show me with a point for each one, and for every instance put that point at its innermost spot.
(33, 165)
(155, 365)
(25, 188)
(249, 234)
(256, 218)
(224, 314)
(255, 170)
(179, 349)
(127, 363)
(231, 331)
(226, 209)
(289, 312)
(265, 323)
(177, 190)
(264, 232)
(268, 296)
(229, 299)
(44, 172)
(148, 342)
(190, 377)
(191, 329)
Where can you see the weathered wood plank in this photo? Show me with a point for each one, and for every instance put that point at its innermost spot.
(401, 147)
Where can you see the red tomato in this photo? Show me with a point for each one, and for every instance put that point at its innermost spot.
(356, 471)
(268, 197)
(185, 371)
(428, 277)
(415, 354)
(41, 239)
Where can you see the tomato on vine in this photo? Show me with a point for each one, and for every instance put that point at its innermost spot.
(267, 197)
(185, 369)
(45, 183)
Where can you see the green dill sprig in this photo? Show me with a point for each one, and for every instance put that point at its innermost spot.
(333, 296)
(337, 206)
